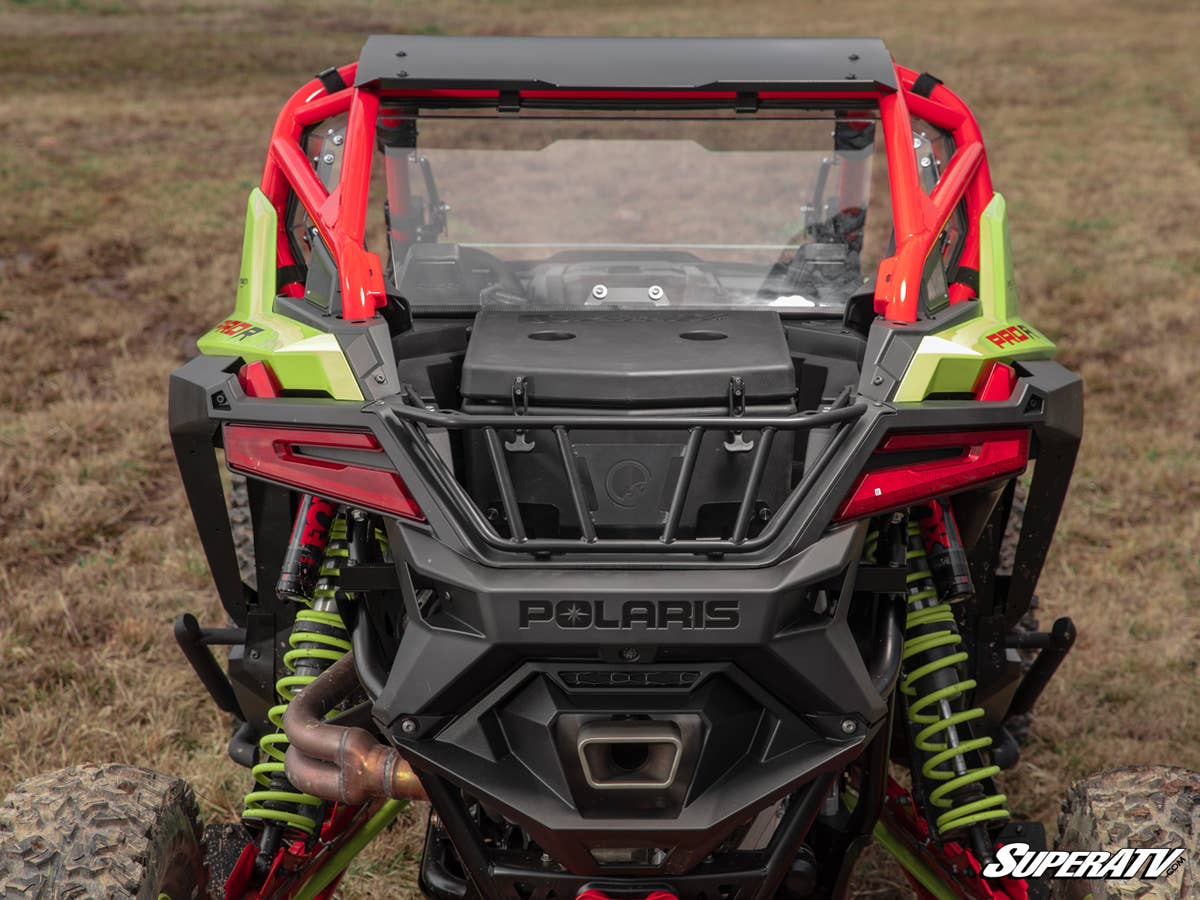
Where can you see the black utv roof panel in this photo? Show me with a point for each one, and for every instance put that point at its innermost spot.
(594, 63)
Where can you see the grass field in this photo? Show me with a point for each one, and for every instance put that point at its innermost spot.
(133, 131)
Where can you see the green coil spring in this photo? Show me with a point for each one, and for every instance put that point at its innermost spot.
(871, 547)
(318, 639)
(956, 790)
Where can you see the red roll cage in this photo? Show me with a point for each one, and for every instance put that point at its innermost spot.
(918, 217)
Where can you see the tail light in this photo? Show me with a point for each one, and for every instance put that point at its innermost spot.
(363, 479)
(973, 457)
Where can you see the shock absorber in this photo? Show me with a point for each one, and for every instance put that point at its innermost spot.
(956, 790)
(318, 639)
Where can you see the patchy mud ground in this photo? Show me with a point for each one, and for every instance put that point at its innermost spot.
(133, 131)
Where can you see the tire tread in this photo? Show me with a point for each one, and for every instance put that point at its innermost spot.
(93, 831)
(1136, 806)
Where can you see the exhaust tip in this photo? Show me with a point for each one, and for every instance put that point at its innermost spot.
(630, 754)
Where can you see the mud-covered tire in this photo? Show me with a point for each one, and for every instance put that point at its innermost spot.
(1018, 726)
(110, 831)
(1012, 529)
(1140, 806)
(241, 529)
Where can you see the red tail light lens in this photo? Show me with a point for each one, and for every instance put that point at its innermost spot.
(278, 454)
(981, 456)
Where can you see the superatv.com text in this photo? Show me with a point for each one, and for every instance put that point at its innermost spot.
(1019, 861)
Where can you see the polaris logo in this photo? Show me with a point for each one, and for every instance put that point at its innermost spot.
(685, 615)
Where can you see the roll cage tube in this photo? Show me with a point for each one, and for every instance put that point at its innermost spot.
(340, 214)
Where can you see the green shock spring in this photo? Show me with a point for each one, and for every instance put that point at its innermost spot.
(871, 546)
(937, 707)
(318, 639)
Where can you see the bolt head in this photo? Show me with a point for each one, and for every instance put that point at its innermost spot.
(337, 140)
(408, 726)
(630, 654)
(849, 726)
(380, 377)
(655, 292)
(600, 291)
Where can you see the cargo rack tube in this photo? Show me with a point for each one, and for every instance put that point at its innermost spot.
(408, 415)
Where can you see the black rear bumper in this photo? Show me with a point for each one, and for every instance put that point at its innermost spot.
(507, 654)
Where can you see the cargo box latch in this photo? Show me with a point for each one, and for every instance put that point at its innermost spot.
(520, 406)
(737, 408)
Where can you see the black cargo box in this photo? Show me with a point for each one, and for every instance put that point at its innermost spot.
(628, 358)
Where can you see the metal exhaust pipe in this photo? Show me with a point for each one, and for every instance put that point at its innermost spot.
(630, 755)
(339, 762)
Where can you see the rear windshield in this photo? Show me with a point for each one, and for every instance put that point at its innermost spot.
(552, 210)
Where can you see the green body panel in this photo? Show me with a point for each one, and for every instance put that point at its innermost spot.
(950, 361)
(302, 358)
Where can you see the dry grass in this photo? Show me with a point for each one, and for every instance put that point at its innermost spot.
(133, 131)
